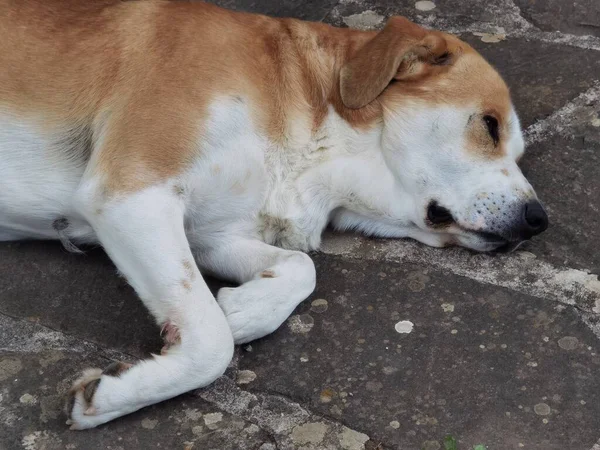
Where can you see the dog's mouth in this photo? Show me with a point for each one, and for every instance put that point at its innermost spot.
(500, 244)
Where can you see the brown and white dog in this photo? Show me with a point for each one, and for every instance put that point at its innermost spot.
(184, 137)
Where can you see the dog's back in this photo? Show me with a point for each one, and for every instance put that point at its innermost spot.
(79, 73)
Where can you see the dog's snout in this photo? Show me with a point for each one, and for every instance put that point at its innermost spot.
(534, 219)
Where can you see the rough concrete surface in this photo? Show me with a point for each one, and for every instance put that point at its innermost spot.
(401, 344)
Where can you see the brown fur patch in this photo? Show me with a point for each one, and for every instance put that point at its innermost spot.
(189, 267)
(267, 274)
(142, 75)
(116, 368)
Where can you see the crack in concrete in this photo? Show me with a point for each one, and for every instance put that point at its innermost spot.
(519, 271)
(281, 418)
(509, 20)
(564, 117)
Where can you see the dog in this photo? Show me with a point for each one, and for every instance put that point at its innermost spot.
(183, 137)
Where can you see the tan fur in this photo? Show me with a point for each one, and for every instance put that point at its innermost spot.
(141, 74)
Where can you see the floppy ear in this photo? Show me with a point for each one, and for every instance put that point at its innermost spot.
(402, 50)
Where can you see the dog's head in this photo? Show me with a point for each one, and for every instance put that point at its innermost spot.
(451, 136)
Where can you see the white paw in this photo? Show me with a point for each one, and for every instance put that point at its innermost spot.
(245, 319)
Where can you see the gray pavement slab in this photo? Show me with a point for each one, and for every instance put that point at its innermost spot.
(482, 363)
(577, 17)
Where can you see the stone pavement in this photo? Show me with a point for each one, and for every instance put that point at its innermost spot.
(503, 352)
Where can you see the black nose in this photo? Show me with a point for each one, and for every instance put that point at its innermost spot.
(535, 219)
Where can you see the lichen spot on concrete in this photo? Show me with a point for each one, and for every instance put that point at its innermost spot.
(404, 327)
(28, 399)
(447, 307)
(149, 424)
(301, 324)
(192, 414)
(568, 343)
(319, 305)
(309, 433)
(425, 5)
(542, 409)
(245, 377)
(212, 420)
(326, 395)
(352, 440)
(367, 20)
(9, 367)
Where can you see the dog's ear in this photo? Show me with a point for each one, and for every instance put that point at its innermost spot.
(401, 51)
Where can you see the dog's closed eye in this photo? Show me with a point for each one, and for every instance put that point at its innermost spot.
(492, 125)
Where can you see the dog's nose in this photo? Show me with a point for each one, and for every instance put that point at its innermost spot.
(535, 219)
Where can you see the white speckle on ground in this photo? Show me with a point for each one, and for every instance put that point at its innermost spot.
(197, 430)
(395, 424)
(149, 424)
(364, 21)
(425, 5)
(245, 377)
(404, 326)
(211, 420)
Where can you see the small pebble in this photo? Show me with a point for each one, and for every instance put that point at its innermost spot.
(404, 326)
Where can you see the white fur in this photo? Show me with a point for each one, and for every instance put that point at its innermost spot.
(233, 208)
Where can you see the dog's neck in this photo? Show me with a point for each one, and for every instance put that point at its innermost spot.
(348, 182)
(355, 189)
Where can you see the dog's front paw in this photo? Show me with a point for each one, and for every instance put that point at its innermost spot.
(81, 406)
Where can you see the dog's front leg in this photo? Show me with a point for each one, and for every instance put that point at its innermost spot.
(273, 282)
(144, 235)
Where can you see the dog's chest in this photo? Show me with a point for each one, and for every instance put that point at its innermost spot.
(246, 183)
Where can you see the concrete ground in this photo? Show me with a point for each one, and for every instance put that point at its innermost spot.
(504, 350)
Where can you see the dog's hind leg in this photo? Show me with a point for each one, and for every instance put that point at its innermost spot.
(273, 282)
(143, 233)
